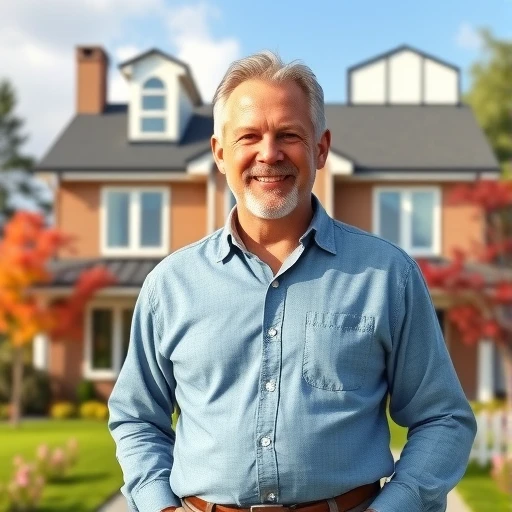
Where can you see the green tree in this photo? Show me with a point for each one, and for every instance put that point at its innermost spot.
(490, 96)
(18, 187)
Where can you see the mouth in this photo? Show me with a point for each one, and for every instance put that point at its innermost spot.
(270, 179)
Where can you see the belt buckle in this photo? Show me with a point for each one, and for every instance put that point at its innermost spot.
(267, 508)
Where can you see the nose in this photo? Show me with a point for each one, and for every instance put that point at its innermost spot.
(269, 151)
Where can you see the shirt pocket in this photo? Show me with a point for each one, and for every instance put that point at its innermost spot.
(336, 350)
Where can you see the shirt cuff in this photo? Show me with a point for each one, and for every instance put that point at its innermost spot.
(155, 496)
(396, 497)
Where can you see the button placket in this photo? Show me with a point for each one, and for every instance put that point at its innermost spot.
(266, 458)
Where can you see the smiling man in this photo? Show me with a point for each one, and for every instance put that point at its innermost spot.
(282, 337)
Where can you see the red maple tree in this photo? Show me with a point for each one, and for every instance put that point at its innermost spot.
(25, 252)
(480, 283)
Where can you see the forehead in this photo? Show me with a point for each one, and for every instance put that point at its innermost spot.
(255, 100)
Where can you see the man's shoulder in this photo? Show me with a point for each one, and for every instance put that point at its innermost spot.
(187, 257)
(364, 244)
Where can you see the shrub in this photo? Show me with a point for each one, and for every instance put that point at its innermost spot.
(501, 472)
(4, 411)
(62, 410)
(94, 410)
(85, 391)
(35, 393)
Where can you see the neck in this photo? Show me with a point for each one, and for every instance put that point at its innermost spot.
(273, 240)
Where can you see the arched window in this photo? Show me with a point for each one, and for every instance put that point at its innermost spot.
(153, 106)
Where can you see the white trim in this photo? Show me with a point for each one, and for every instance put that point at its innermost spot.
(339, 165)
(117, 310)
(210, 202)
(133, 248)
(485, 369)
(40, 351)
(128, 176)
(201, 165)
(413, 175)
(405, 216)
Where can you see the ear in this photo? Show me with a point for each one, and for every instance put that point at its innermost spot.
(218, 153)
(323, 146)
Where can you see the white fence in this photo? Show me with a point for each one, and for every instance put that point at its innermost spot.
(491, 437)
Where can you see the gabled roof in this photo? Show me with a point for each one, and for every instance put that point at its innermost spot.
(100, 142)
(410, 138)
(189, 81)
(373, 137)
(399, 49)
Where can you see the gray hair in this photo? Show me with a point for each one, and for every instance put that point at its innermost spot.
(269, 67)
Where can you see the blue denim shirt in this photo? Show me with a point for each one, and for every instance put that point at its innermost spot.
(282, 380)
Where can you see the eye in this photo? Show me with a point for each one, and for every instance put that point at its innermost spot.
(247, 136)
(290, 136)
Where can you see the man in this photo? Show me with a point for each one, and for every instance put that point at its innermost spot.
(281, 338)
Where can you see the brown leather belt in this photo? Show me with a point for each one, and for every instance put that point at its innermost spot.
(344, 502)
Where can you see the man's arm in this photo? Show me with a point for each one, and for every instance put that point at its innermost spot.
(140, 407)
(425, 396)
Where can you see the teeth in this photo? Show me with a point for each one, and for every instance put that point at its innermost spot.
(269, 179)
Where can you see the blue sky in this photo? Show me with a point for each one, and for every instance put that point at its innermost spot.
(37, 41)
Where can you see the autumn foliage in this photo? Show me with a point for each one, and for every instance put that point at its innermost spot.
(26, 251)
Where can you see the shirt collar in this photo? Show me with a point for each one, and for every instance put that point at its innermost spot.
(321, 229)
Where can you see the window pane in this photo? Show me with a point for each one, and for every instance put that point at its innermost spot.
(151, 219)
(118, 220)
(153, 102)
(154, 83)
(389, 214)
(102, 349)
(153, 124)
(125, 331)
(422, 219)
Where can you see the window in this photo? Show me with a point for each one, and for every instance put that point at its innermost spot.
(135, 221)
(410, 218)
(107, 339)
(153, 106)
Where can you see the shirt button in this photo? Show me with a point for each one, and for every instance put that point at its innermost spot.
(265, 441)
(275, 284)
(271, 496)
(272, 332)
(270, 385)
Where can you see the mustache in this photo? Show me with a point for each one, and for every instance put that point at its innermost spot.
(279, 169)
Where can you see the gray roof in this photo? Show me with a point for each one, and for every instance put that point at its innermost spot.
(129, 272)
(374, 137)
(100, 142)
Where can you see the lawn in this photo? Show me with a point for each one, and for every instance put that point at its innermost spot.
(96, 475)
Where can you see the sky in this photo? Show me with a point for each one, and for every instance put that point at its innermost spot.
(38, 40)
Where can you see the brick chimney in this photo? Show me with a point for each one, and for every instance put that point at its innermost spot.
(91, 80)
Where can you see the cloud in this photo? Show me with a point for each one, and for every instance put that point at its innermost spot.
(207, 56)
(467, 37)
(37, 51)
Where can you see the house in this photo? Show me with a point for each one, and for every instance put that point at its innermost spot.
(136, 182)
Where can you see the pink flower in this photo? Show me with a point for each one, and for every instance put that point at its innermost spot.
(22, 477)
(43, 451)
(58, 456)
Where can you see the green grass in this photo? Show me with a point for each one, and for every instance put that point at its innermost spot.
(95, 477)
(481, 493)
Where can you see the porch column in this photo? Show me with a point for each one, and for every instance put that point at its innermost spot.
(40, 352)
(485, 382)
(210, 201)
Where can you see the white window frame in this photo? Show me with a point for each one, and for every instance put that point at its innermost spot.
(406, 218)
(134, 248)
(117, 309)
(161, 114)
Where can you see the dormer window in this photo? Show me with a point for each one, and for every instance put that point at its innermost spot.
(153, 106)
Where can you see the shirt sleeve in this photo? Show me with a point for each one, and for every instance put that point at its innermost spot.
(426, 397)
(140, 408)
